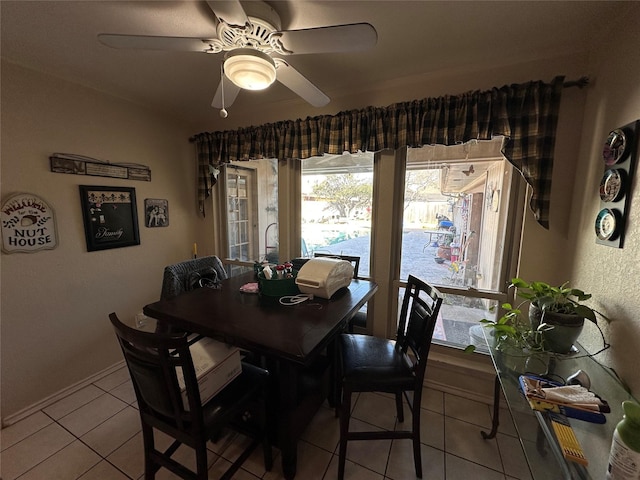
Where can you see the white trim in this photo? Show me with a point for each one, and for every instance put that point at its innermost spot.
(464, 374)
(65, 392)
(460, 392)
(461, 374)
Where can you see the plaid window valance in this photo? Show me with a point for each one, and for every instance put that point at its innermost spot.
(526, 114)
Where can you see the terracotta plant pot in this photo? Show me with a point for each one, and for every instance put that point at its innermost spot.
(566, 328)
(444, 252)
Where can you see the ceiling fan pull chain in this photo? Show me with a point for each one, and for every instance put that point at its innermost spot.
(223, 112)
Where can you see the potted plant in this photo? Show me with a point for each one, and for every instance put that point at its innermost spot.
(511, 332)
(556, 318)
(558, 307)
(518, 346)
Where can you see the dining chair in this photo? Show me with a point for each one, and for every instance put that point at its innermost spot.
(153, 359)
(355, 261)
(191, 274)
(203, 272)
(373, 364)
(360, 318)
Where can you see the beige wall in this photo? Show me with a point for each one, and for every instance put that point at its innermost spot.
(55, 330)
(610, 274)
(55, 303)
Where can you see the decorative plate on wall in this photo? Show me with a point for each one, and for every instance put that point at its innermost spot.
(619, 155)
(615, 147)
(607, 225)
(612, 185)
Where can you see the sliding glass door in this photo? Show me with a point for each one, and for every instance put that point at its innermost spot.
(249, 213)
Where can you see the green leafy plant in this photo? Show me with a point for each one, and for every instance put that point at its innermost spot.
(562, 299)
(511, 330)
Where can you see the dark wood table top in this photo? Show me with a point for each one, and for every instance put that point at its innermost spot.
(261, 324)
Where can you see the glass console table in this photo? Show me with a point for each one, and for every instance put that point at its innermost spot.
(541, 450)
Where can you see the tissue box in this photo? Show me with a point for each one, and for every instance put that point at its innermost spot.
(216, 365)
(323, 276)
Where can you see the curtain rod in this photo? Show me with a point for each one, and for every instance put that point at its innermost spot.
(580, 83)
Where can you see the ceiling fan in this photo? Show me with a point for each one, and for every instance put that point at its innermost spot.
(253, 43)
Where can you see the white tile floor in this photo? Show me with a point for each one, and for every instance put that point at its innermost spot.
(94, 434)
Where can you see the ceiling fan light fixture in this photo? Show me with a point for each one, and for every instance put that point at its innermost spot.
(250, 69)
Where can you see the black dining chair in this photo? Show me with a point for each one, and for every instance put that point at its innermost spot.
(360, 318)
(191, 274)
(355, 261)
(188, 275)
(373, 364)
(153, 359)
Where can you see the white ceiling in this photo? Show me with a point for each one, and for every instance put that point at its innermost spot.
(415, 37)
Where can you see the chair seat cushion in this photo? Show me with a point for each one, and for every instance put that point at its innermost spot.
(374, 364)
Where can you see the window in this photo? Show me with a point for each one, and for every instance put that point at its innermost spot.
(337, 193)
(455, 220)
(455, 223)
(448, 215)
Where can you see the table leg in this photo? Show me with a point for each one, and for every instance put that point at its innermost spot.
(496, 411)
(541, 441)
(334, 390)
(288, 386)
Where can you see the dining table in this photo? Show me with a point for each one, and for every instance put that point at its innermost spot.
(295, 342)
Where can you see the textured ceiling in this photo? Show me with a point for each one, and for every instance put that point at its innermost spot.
(414, 38)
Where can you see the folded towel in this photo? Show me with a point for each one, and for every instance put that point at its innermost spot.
(571, 395)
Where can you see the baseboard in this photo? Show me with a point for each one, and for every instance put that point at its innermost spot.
(51, 399)
(464, 375)
(448, 370)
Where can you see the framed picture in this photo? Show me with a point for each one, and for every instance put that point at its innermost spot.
(110, 217)
(156, 212)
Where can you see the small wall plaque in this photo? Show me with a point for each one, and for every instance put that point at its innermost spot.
(81, 165)
(28, 224)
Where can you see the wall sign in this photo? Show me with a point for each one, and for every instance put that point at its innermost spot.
(110, 217)
(619, 156)
(81, 165)
(28, 224)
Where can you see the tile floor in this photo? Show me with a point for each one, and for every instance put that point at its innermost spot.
(94, 434)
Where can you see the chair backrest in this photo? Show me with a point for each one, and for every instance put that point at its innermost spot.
(355, 261)
(191, 274)
(153, 360)
(418, 317)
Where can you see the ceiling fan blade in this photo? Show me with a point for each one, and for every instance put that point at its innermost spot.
(147, 42)
(231, 91)
(296, 82)
(229, 12)
(338, 38)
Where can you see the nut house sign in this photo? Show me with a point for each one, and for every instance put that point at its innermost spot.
(28, 224)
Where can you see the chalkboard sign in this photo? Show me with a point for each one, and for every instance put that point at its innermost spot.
(110, 217)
